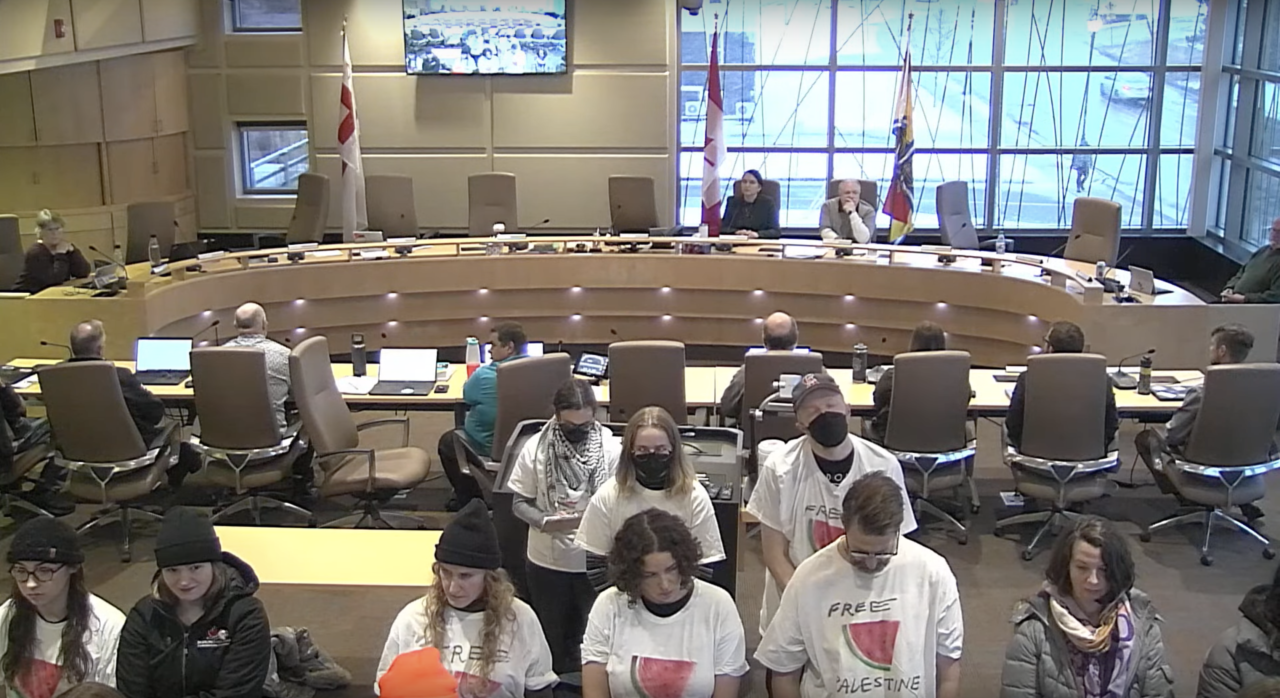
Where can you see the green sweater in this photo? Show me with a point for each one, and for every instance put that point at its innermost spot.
(1259, 279)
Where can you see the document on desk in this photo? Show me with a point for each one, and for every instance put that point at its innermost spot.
(356, 385)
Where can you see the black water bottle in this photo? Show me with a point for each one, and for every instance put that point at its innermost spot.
(1144, 375)
(859, 363)
(358, 358)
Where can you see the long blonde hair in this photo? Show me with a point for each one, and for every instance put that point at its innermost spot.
(499, 596)
(681, 478)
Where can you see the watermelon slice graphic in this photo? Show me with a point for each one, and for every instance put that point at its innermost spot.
(40, 680)
(822, 534)
(872, 642)
(472, 686)
(660, 678)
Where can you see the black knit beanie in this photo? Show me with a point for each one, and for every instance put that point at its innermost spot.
(470, 540)
(186, 537)
(45, 539)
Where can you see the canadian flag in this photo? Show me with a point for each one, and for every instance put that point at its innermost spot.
(355, 216)
(713, 150)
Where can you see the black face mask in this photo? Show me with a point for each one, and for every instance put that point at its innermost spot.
(652, 469)
(575, 433)
(829, 429)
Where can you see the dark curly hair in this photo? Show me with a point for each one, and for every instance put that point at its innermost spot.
(651, 531)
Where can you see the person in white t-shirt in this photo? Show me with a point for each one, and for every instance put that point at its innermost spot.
(54, 634)
(874, 614)
(488, 639)
(653, 472)
(554, 478)
(799, 492)
(660, 631)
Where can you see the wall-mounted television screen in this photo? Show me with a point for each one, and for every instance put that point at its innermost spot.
(498, 37)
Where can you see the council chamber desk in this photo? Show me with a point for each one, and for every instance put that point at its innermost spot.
(445, 290)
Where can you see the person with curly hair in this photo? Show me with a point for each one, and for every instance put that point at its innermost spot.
(1247, 654)
(659, 630)
(487, 638)
(54, 634)
(653, 472)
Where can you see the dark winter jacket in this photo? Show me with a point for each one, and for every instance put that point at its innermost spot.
(225, 654)
(1245, 654)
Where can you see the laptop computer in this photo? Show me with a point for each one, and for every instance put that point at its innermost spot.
(1143, 281)
(405, 372)
(162, 361)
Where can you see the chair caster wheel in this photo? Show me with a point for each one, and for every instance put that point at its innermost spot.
(1268, 553)
(963, 539)
(1145, 536)
(1027, 555)
(975, 508)
(1206, 560)
(126, 558)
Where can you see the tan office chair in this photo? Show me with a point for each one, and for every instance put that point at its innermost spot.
(12, 480)
(927, 430)
(632, 203)
(1063, 459)
(12, 256)
(1230, 448)
(147, 219)
(763, 418)
(1095, 231)
(370, 475)
(491, 198)
(389, 200)
(644, 373)
(771, 188)
(97, 441)
(310, 209)
(867, 192)
(240, 445)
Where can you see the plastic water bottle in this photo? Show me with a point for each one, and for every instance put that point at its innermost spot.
(153, 251)
(473, 355)
(1144, 375)
(859, 363)
(1001, 244)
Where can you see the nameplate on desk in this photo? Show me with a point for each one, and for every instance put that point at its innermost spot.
(509, 236)
(633, 236)
(327, 253)
(159, 269)
(303, 246)
(943, 249)
(1029, 259)
(402, 240)
(374, 254)
(802, 251)
(210, 256)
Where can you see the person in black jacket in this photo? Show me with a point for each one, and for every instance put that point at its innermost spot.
(752, 214)
(51, 260)
(1063, 338)
(87, 341)
(200, 633)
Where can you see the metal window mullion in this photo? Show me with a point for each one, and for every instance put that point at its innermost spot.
(995, 118)
(832, 64)
(1156, 117)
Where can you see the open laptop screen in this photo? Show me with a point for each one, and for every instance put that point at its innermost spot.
(407, 365)
(155, 354)
(530, 349)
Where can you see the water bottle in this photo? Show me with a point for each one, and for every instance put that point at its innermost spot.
(359, 358)
(1001, 244)
(1144, 375)
(153, 251)
(1100, 271)
(859, 363)
(494, 247)
(473, 355)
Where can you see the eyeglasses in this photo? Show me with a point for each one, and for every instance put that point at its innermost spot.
(43, 574)
(864, 556)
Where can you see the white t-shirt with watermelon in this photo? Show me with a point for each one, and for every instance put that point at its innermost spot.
(872, 635)
(610, 507)
(675, 657)
(524, 658)
(44, 677)
(793, 496)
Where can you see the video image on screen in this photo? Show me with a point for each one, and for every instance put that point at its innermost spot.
(519, 37)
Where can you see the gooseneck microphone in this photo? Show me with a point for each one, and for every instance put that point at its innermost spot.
(55, 344)
(1070, 239)
(212, 326)
(1124, 381)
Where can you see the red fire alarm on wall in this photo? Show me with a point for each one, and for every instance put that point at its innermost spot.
(59, 29)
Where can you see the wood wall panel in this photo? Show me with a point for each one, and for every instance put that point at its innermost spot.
(266, 94)
(439, 184)
(213, 189)
(605, 32)
(259, 216)
(68, 176)
(170, 19)
(17, 178)
(69, 102)
(543, 180)
(106, 23)
(375, 28)
(264, 51)
(128, 97)
(132, 167)
(209, 49)
(397, 111)
(17, 116)
(603, 110)
(171, 166)
(170, 74)
(26, 28)
(208, 99)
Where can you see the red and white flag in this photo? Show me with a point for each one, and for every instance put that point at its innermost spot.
(355, 216)
(713, 150)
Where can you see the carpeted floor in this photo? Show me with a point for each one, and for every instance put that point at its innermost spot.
(1197, 603)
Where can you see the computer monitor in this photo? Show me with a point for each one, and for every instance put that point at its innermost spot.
(162, 354)
(530, 349)
(632, 206)
(407, 365)
(761, 350)
(592, 365)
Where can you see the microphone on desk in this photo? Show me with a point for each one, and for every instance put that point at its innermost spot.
(212, 326)
(1124, 381)
(55, 344)
(543, 222)
(1059, 250)
(124, 270)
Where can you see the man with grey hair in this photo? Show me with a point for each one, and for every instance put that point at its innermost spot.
(780, 334)
(251, 324)
(847, 216)
(87, 341)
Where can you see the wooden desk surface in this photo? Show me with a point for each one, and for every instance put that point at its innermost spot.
(334, 556)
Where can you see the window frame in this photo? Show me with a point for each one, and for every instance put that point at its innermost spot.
(236, 26)
(242, 155)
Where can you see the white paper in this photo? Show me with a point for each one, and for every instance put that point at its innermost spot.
(356, 385)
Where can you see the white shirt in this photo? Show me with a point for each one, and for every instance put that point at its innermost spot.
(872, 635)
(277, 357)
(44, 679)
(680, 655)
(524, 659)
(609, 509)
(557, 551)
(794, 497)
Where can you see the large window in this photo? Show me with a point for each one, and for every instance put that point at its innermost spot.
(1032, 103)
(266, 15)
(271, 157)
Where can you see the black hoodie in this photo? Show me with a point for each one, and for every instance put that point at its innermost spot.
(225, 654)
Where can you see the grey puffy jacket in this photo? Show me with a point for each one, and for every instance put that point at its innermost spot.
(1245, 654)
(1037, 663)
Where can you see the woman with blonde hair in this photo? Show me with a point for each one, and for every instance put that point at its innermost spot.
(488, 639)
(653, 473)
(51, 260)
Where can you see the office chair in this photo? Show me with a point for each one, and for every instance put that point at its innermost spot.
(1063, 458)
(310, 209)
(760, 372)
(97, 441)
(632, 206)
(491, 198)
(12, 256)
(955, 225)
(240, 445)
(389, 200)
(371, 475)
(1095, 231)
(928, 427)
(513, 533)
(1230, 448)
(771, 188)
(12, 480)
(147, 219)
(644, 373)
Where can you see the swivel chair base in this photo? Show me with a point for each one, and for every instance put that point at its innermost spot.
(924, 506)
(125, 516)
(1207, 517)
(372, 514)
(1053, 519)
(256, 503)
(10, 500)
